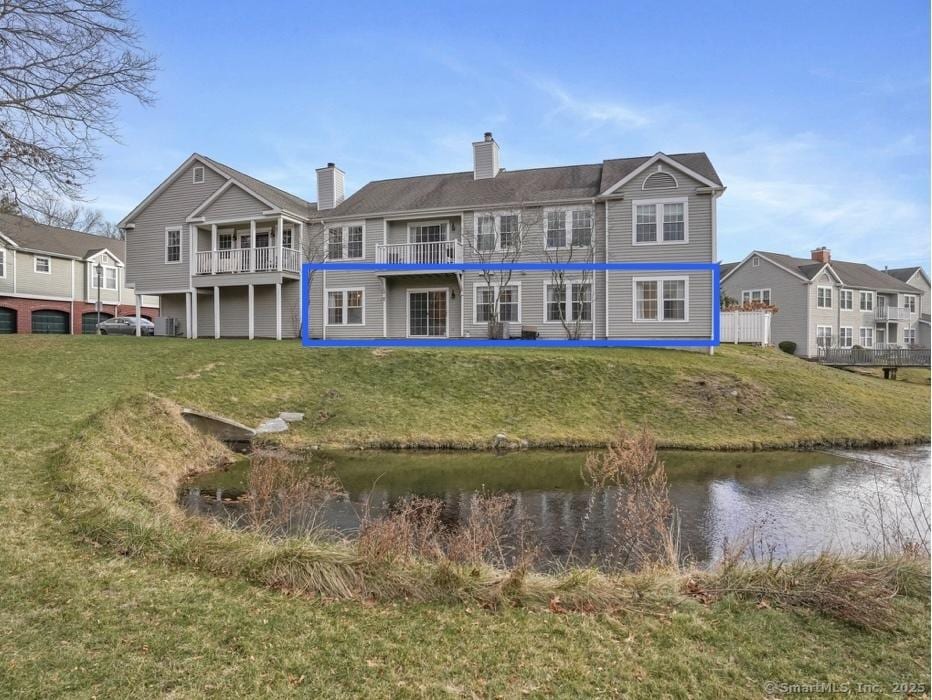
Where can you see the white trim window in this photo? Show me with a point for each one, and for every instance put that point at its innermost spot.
(109, 276)
(346, 307)
(497, 231)
(2, 264)
(197, 175)
(659, 221)
(909, 303)
(575, 296)
(845, 337)
(909, 337)
(173, 245)
(824, 336)
(755, 296)
(866, 301)
(347, 242)
(660, 299)
(846, 299)
(42, 264)
(427, 232)
(824, 297)
(866, 337)
(567, 227)
(509, 302)
(755, 261)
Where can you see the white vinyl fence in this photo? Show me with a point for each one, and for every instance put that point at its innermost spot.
(746, 327)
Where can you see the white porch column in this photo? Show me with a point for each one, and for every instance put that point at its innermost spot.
(214, 260)
(301, 243)
(278, 309)
(384, 307)
(216, 312)
(194, 314)
(279, 241)
(252, 245)
(138, 311)
(192, 249)
(252, 311)
(187, 315)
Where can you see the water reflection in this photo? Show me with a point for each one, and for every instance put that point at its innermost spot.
(782, 504)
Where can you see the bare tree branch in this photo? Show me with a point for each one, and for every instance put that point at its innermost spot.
(56, 212)
(64, 64)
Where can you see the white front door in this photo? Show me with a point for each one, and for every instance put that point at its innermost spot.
(427, 313)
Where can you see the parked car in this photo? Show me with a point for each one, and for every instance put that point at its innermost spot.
(125, 325)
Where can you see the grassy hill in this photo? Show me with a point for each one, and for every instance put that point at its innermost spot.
(740, 398)
(80, 619)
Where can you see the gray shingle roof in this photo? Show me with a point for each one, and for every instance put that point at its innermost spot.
(280, 198)
(535, 185)
(51, 239)
(857, 275)
(904, 273)
(725, 268)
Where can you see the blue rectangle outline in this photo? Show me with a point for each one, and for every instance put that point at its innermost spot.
(309, 342)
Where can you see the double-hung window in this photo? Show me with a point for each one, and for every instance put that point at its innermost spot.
(824, 336)
(343, 242)
(509, 306)
(824, 297)
(909, 302)
(909, 336)
(846, 299)
(568, 227)
(287, 238)
(571, 301)
(866, 337)
(755, 296)
(660, 221)
(497, 231)
(345, 307)
(845, 337)
(107, 273)
(173, 245)
(42, 263)
(661, 299)
(2, 263)
(866, 301)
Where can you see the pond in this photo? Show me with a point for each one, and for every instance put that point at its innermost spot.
(770, 504)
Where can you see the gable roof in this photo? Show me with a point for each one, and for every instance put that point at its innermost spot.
(510, 187)
(278, 197)
(850, 274)
(28, 234)
(617, 170)
(904, 274)
(725, 268)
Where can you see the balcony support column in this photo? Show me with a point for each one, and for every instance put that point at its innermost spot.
(280, 241)
(138, 318)
(216, 312)
(193, 314)
(278, 310)
(213, 249)
(252, 311)
(252, 245)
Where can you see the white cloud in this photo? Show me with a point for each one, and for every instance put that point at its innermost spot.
(594, 111)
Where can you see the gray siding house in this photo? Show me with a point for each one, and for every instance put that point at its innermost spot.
(828, 303)
(224, 250)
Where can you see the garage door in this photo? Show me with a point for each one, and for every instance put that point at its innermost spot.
(89, 322)
(7, 321)
(49, 321)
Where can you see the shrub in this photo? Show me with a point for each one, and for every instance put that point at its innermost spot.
(787, 346)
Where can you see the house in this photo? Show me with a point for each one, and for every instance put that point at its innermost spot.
(51, 279)
(918, 278)
(827, 303)
(223, 250)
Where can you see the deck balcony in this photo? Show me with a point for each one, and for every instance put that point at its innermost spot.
(244, 260)
(432, 253)
(891, 313)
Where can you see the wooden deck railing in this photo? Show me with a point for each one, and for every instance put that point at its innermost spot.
(874, 357)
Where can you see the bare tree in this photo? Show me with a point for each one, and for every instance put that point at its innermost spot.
(63, 66)
(499, 240)
(56, 212)
(568, 238)
(314, 247)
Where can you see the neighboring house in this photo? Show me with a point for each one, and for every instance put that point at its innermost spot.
(249, 239)
(918, 278)
(49, 279)
(827, 303)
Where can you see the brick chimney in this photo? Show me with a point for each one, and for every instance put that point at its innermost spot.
(485, 158)
(329, 187)
(822, 255)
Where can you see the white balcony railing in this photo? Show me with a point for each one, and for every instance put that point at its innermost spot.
(235, 260)
(891, 313)
(440, 252)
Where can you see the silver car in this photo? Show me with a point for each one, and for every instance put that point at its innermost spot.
(125, 325)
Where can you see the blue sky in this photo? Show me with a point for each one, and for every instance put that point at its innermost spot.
(816, 115)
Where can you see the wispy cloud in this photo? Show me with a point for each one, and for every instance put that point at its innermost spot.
(594, 111)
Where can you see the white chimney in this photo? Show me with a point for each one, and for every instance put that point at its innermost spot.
(485, 158)
(329, 187)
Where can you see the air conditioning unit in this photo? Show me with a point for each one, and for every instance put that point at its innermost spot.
(166, 326)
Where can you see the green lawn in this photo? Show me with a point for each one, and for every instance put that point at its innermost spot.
(79, 620)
